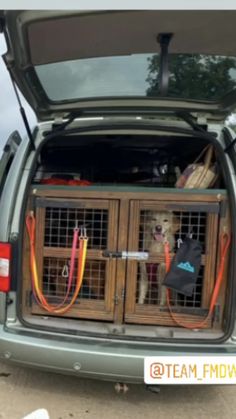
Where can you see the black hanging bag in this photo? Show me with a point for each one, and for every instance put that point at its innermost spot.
(185, 267)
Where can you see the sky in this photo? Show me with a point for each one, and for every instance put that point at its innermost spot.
(10, 118)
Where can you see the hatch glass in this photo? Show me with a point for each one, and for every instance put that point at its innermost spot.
(192, 76)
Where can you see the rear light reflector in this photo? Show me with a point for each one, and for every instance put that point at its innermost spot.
(5, 259)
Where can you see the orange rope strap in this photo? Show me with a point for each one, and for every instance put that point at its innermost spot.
(40, 298)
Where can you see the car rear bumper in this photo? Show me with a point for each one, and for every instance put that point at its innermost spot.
(114, 361)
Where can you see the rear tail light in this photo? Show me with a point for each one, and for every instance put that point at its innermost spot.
(5, 259)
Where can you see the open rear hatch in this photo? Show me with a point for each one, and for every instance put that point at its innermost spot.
(133, 61)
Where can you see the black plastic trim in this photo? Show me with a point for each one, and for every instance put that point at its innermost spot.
(15, 258)
(147, 126)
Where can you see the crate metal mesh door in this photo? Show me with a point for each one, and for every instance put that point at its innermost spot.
(56, 220)
(145, 296)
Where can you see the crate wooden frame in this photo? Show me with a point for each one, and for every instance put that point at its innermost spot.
(151, 313)
(124, 205)
(91, 309)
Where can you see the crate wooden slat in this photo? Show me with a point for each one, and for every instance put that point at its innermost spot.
(121, 263)
(125, 192)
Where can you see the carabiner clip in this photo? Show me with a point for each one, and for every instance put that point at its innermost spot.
(179, 242)
(190, 234)
(65, 271)
(83, 233)
(76, 228)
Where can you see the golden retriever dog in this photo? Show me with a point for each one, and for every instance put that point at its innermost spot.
(159, 228)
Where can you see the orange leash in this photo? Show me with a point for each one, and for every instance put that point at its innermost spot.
(40, 298)
(224, 247)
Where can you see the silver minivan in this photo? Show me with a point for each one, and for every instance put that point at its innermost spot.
(131, 162)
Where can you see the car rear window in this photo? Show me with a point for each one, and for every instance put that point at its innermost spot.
(194, 77)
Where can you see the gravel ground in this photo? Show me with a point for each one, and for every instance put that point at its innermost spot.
(24, 390)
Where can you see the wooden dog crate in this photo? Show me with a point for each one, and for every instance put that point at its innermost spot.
(116, 222)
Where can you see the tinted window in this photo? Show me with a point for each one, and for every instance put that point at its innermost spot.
(203, 77)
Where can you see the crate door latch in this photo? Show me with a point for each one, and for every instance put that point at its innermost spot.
(126, 255)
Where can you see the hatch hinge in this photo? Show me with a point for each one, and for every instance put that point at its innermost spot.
(116, 299)
(216, 315)
(58, 120)
(28, 299)
(201, 120)
(62, 121)
(123, 294)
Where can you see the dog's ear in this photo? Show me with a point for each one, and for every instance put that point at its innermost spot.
(175, 224)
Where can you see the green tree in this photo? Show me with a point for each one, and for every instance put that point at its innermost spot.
(194, 76)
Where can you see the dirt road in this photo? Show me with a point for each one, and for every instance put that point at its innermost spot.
(24, 390)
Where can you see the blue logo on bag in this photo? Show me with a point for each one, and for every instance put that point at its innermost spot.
(186, 266)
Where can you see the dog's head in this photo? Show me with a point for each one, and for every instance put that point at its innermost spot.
(162, 225)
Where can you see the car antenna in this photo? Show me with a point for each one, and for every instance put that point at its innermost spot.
(23, 114)
(164, 39)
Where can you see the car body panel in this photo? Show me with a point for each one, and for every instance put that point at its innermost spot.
(100, 358)
(106, 360)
